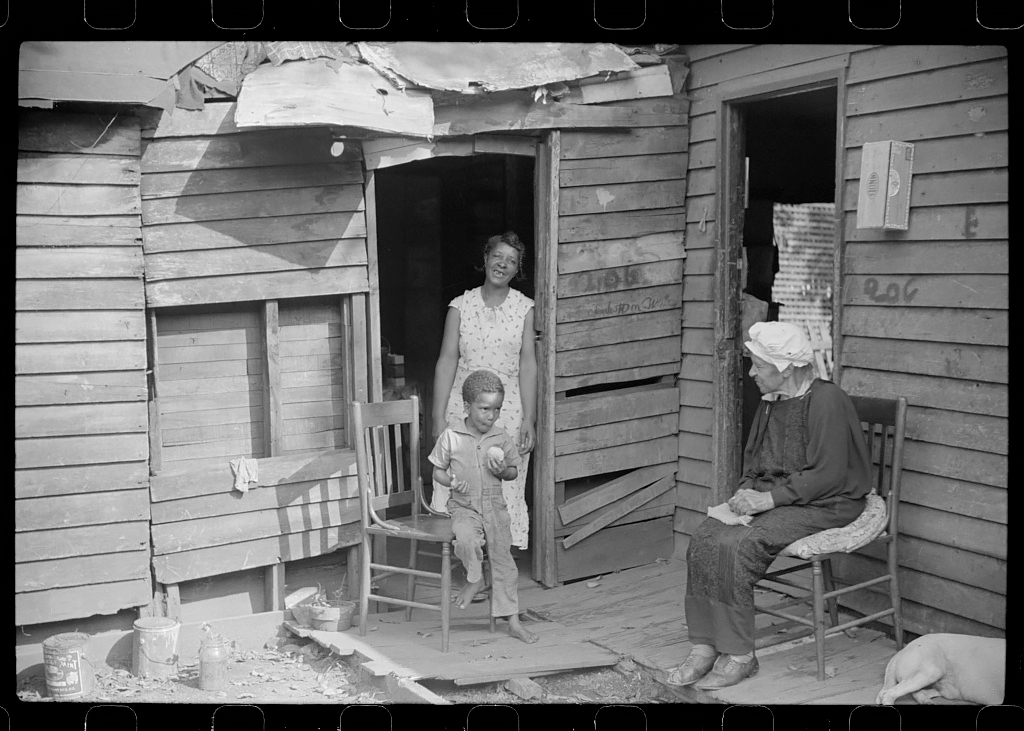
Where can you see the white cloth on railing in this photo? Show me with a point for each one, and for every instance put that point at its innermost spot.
(245, 471)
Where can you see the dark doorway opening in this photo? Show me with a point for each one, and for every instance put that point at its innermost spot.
(433, 219)
(789, 223)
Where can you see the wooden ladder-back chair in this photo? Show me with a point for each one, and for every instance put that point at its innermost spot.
(383, 459)
(884, 423)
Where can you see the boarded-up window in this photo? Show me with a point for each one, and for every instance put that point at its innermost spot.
(211, 369)
(312, 376)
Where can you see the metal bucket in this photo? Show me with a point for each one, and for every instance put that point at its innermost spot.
(155, 647)
(69, 672)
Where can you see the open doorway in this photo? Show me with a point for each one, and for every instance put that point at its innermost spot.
(788, 242)
(433, 218)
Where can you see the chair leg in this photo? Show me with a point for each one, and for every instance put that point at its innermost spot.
(446, 593)
(894, 596)
(411, 593)
(833, 603)
(819, 616)
(490, 601)
(364, 583)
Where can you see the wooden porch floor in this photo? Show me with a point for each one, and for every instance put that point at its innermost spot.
(637, 613)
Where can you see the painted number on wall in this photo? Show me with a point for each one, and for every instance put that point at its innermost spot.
(892, 293)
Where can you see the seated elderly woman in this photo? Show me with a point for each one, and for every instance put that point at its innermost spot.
(806, 468)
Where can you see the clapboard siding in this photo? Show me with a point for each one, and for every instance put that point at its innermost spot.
(234, 216)
(81, 451)
(924, 311)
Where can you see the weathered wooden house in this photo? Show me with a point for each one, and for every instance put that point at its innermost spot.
(201, 285)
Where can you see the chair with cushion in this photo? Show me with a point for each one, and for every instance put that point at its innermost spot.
(885, 422)
(383, 458)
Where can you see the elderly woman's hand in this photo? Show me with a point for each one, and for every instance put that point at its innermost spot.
(751, 502)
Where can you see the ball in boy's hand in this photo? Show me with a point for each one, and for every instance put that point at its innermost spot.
(496, 452)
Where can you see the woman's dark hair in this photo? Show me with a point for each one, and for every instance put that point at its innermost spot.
(479, 382)
(509, 238)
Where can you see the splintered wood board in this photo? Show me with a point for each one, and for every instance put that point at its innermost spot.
(413, 649)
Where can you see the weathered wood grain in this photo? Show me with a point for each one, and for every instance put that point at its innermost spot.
(973, 116)
(254, 232)
(960, 464)
(747, 61)
(617, 356)
(245, 150)
(695, 446)
(49, 481)
(982, 291)
(614, 304)
(613, 459)
(80, 450)
(67, 511)
(80, 294)
(951, 394)
(694, 392)
(54, 605)
(237, 180)
(625, 375)
(49, 327)
(81, 570)
(252, 204)
(635, 276)
(46, 199)
(958, 497)
(106, 262)
(255, 259)
(638, 141)
(48, 421)
(625, 169)
(79, 357)
(70, 234)
(889, 61)
(617, 548)
(693, 471)
(946, 562)
(628, 328)
(245, 430)
(621, 197)
(248, 287)
(972, 431)
(925, 88)
(79, 388)
(575, 508)
(85, 541)
(946, 189)
(933, 257)
(41, 167)
(947, 154)
(972, 362)
(79, 134)
(944, 325)
(620, 509)
(588, 255)
(616, 433)
(619, 225)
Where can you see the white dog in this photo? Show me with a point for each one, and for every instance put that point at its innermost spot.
(956, 667)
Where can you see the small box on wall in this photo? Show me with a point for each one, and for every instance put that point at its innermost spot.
(885, 170)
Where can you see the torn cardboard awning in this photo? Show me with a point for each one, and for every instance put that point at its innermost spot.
(473, 67)
(329, 92)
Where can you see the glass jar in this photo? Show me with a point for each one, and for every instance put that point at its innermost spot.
(213, 664)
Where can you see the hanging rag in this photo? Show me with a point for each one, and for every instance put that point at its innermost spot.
(725, 514)
(245, 471)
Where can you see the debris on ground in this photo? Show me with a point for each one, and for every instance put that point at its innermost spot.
(524, 688)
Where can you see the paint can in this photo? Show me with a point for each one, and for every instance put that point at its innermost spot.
(155, 647)
(70, 674)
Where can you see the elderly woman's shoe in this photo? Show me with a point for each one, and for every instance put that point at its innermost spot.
(731, 672)
(694, 668)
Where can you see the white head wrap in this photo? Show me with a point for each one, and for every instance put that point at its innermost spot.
(780, 343)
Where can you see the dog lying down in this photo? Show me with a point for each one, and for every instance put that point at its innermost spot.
(956, 667)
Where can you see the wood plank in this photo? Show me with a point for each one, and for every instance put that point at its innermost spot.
(889, 61)
(296, 443)
(360, 368)
(624, 169)
(575, 508)
(77, 357)
(71, 294)
(620, 432)
(55, 605)
(703, 127)
(622, 197)
(247, 431)
(80, 450)
(702, 155)
(973, 116)
(651, 81)
(373, 296)
(578, 145)
(212, 417)
(226, 502)
(693, 471)
(271, 258)
(615, 279)
(976, 362)
(107, 262)
(248, 287)
(216, 117)
(695, 446)
(303, 395)
(51, 481)
(272, 384)
(981, 291)
(951, 394)
(747, 61)
(687, 521)
(626, 375)
(971, 431)
(41, 167)
(254, 232)
(79, 388)
(68, 234)
(971, 327)
(50, 421)
(578, 412)
(245, 150)
(619, 225)
(329, 407)
(588, 255)
(206, 373)
(696, 367)
(617, 356)
(626, 302)
(695, 420)
(219, 321)
(617, 548)
(965, 567)
(955, 496)
(49, 327)
(629, 328)
(67, 511)
(947, 154)
(237, 180)
(945, 189)
(252, 204)
(926, 88)
(707, 50)
(934, 257)
(80, 134)
(86, 541)
(504, 145)
(102, 223)
(46, 199)
(81, 570)
(695, 393)
(285, 470)
(920, 618)
(960, 464)
(613, 459)
(621, 509)
(698, 340)
(248, 349)
(187, 565)
(699, 315)
(656, 508)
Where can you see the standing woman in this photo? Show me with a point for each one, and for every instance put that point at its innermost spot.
(491, 328)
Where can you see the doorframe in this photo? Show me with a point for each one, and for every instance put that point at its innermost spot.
(726, 449)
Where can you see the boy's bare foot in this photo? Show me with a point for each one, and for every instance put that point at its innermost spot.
(517, 630)
(468, 592)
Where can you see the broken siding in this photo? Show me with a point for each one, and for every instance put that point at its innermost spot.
(620, 270)
(941, 341)
(81, 473)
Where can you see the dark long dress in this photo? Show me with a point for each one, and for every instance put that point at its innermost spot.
(810, 453)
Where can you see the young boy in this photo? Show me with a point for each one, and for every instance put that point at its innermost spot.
(472, 458)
